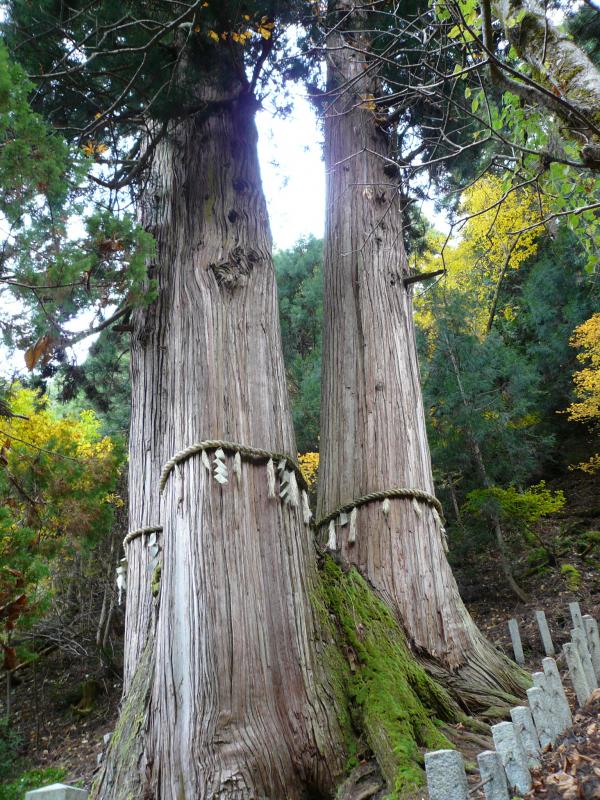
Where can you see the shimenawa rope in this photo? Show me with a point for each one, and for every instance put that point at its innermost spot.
(140, 532)
(252, 453)
(414, 494)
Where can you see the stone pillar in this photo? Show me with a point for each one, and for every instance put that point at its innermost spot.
(515, 636)
(539, 712)
(593, 639)
(527, 734)
(579, 639)
(545, 633)
(554, 723)
(577, 673)
(513, 757)
(446, 776)
(557, 694)
(576, 616)
(493, 776)
(57, 791)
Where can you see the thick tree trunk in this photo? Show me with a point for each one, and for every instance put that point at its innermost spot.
(373, 435)
(225, 696)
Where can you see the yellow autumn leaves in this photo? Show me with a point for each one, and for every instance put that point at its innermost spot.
(263, 28)
(309, 466)
(499, 233)
(586, 337)
(94, 149)
(587, 380)
(70, 460)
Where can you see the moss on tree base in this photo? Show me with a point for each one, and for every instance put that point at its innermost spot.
(393, 701)
(389, 706)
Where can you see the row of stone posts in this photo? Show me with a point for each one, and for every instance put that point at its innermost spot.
(506, 771)
(586, 624)
(518, 743)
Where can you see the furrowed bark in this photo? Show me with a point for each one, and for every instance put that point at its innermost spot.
(373, 424)
(226, 698)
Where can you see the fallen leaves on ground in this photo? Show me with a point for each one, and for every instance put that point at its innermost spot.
(571, 771)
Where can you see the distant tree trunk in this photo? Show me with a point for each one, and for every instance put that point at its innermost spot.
(373, 434)
(225, 696)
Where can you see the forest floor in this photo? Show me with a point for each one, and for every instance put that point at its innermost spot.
(571, 770)
(572, 538)
(56, 729)
(55, 725)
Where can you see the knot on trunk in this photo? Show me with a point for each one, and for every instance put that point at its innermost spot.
(234, 271)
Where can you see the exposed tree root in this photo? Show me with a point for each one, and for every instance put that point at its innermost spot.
(365, 782)
(394, 704)
(396, 708)
(402, 704)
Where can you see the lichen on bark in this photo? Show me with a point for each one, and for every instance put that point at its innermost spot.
(562, 66)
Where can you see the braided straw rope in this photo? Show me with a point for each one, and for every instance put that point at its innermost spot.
(251, 453)
(140, 532)
(416, 494)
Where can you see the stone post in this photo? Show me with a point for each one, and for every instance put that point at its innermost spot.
(593, 638)
(515, 637)
(57, 791)
(554, 722)
(557, 694)
(513, 757)
(539, 712)
(545, 633)
(576, 673)
(527, 734)
(493, 776)
(446, 776)
(576, 616)
(579, 639)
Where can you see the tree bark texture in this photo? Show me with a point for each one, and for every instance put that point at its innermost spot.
(373, 434)
(226, 699)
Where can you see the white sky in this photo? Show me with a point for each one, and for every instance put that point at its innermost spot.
(293, 173)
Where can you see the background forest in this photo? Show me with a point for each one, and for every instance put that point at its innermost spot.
(509, 353)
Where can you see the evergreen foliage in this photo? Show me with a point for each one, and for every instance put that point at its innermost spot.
(59, 255)
(495, 405)
(101, 382)
(518, 511)
(300, 283)
(502, 391)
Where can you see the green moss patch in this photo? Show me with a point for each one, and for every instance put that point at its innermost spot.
(393, 700)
